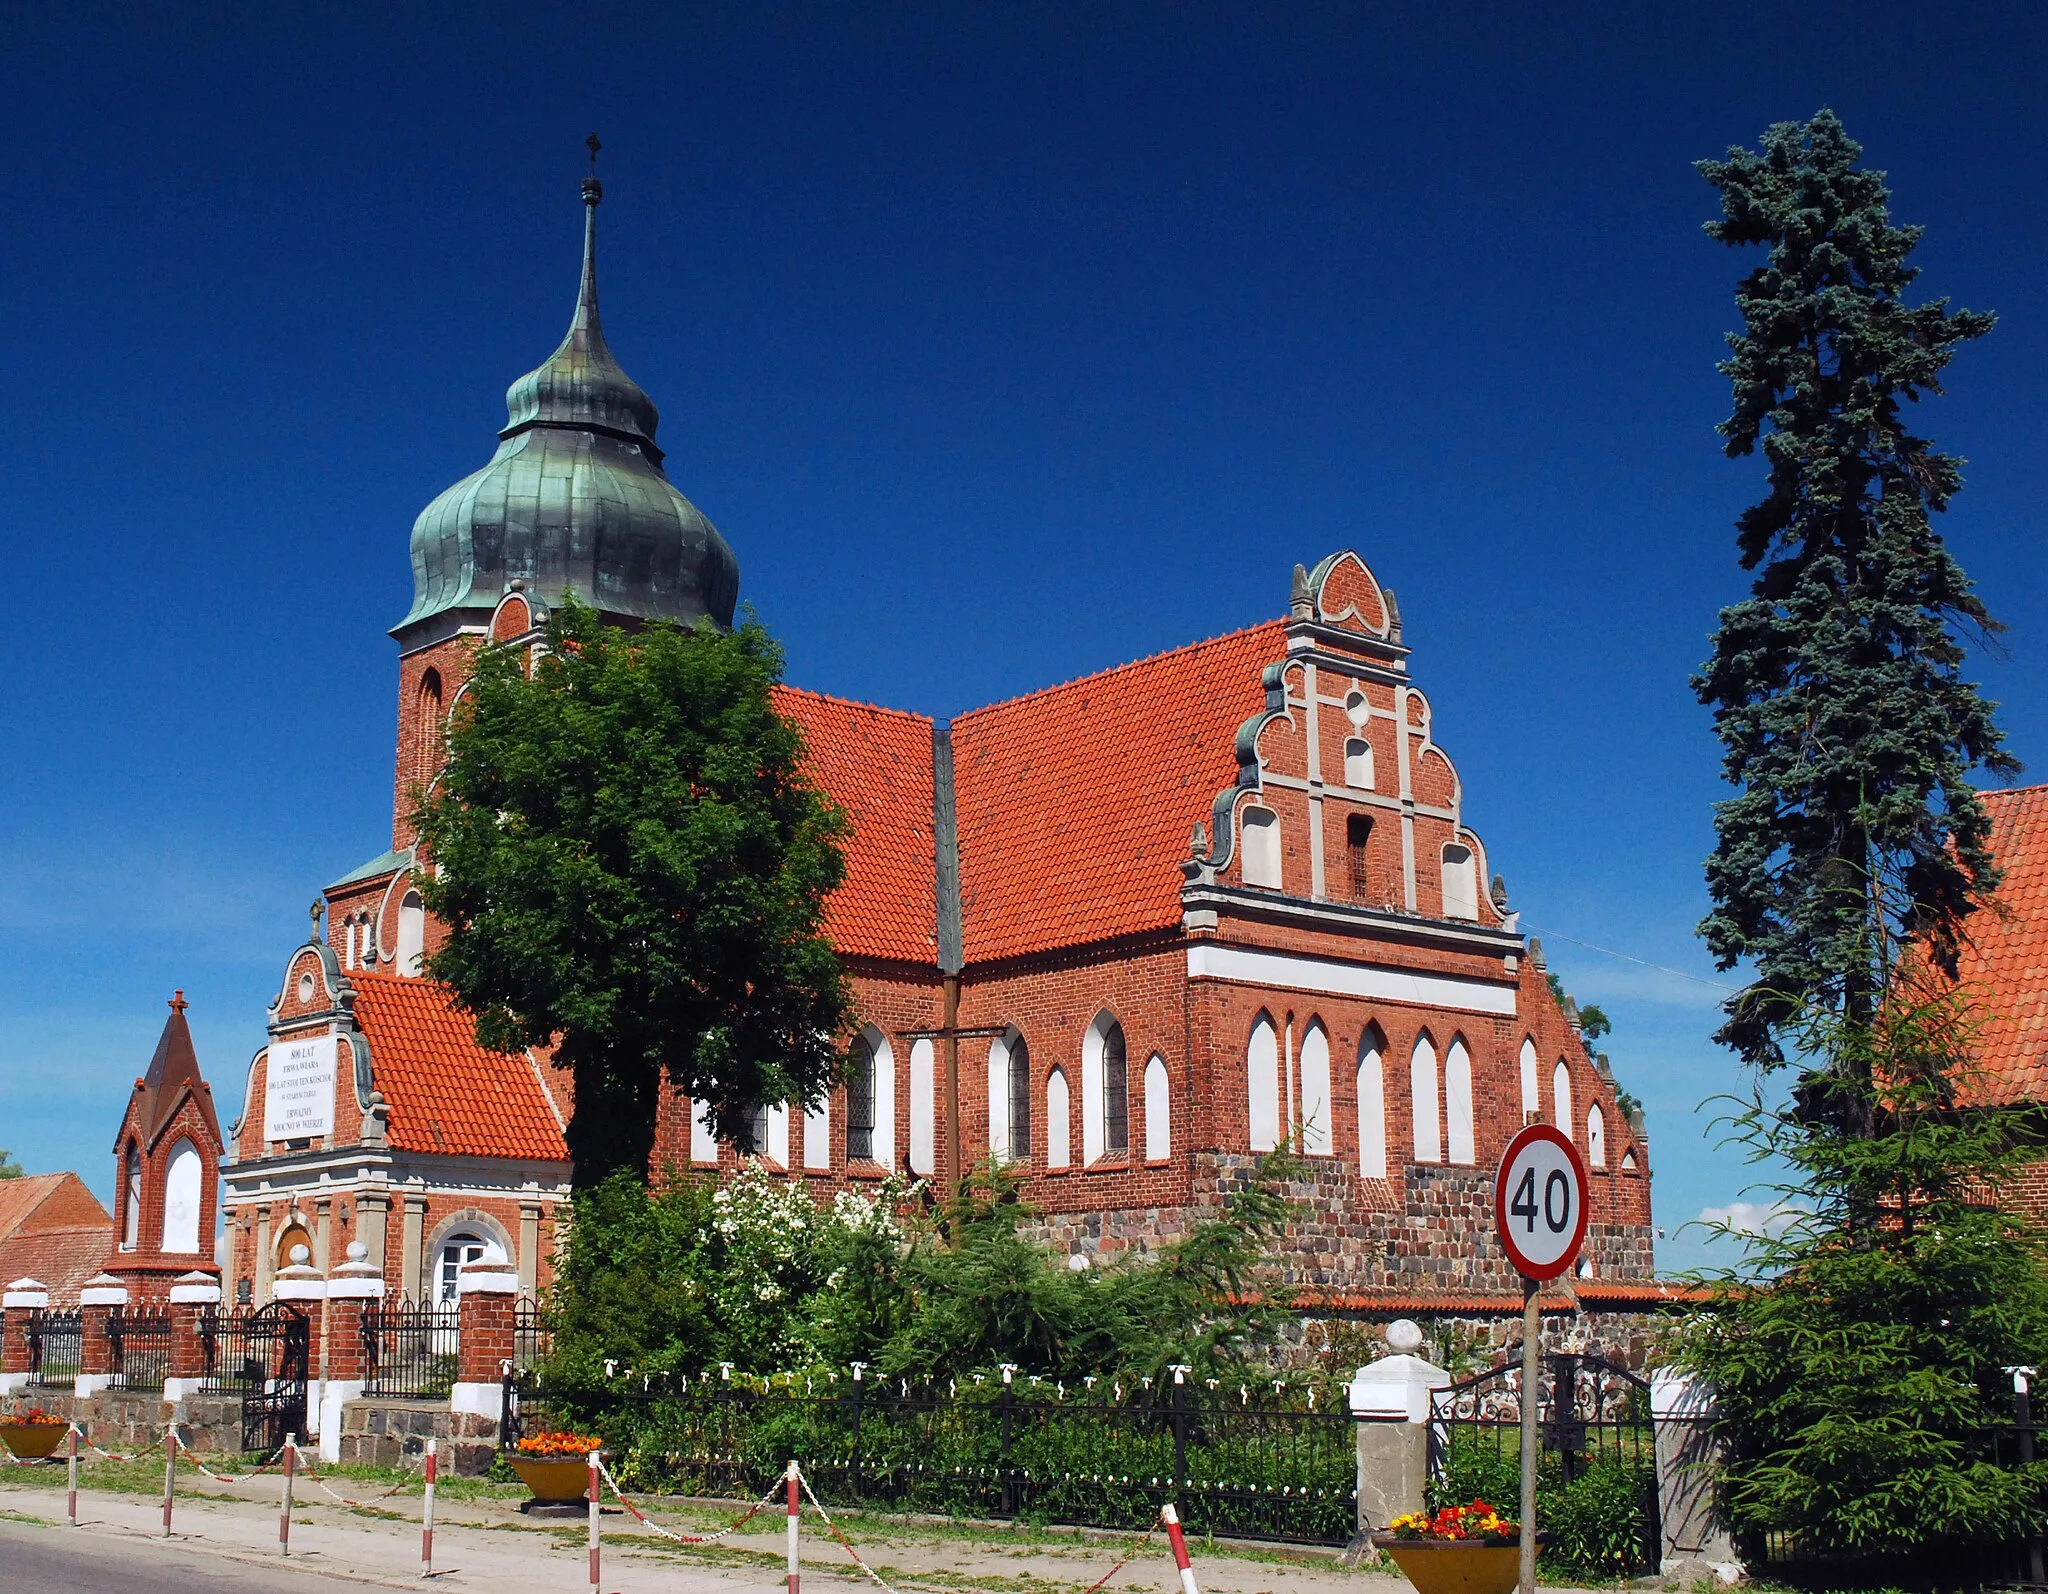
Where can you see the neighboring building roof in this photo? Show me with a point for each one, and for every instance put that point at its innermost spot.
(449, 1095)
(53, 1230)
(2004, 964)
(877, 764)
(1076, 803)
(384, 863)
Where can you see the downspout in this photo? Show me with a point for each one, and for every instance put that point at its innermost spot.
(946, 879)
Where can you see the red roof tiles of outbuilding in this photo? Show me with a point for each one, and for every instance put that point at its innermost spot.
(2004, 964)
(1076, 802)
(448, 1094)
(877, 764)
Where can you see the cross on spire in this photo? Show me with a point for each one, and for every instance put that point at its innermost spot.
(178, 1002)
(593, 146)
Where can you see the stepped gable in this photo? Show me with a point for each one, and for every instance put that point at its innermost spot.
(1076, 803)
(2004, 964)
(876, 763)
(53, 1230)
(449, 1096)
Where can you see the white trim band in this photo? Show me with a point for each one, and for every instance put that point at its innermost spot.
(1208, 961)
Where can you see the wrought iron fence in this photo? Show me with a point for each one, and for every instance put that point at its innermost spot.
(56, 1347)
(531, 1338)
(1236, 1462)
(264, 1356)
(1596, 1476)
(141, 1344)
(411, 1351)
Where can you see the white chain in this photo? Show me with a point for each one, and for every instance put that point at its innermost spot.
(680, 1538)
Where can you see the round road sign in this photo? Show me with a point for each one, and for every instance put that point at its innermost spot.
(1539, 1202)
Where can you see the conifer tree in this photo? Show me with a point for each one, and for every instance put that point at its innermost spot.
(1836, 685)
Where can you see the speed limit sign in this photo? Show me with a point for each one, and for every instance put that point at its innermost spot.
(1539, 1202)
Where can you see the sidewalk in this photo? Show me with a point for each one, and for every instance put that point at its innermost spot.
(486, 1543)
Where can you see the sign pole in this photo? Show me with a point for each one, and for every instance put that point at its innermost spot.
(1532, 1326)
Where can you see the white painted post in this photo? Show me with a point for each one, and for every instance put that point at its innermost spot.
(594, 1507)
(789, 1479)
(1181, 1562)
(284, 1515)
(71, 1470)
(170, 1471)
(427, 1515)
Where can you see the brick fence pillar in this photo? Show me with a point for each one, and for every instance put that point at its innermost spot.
(102, 1296)
(22, 1300)
(193, 1295)
(487, 1293)
(354, 1289)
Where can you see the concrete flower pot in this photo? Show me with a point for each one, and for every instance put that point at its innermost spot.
(33, 1441)
(1454, 1566)
(553, 1480)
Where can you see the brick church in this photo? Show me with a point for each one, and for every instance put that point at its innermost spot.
(1125, 933)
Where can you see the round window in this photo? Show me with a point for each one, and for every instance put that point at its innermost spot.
(306, 986)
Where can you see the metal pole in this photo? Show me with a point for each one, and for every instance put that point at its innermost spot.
(1532, 1327)
(71, 1468)
(1180, 1549)
(594, 1511)
(284, 1512)
(170, 1471)
(790, 1482)
(427, 1517)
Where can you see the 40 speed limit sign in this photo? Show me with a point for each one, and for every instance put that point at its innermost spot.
(1539, 1202)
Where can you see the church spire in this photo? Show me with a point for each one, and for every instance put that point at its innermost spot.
(585, 320)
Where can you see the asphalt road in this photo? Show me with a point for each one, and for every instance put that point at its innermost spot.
(49, 1560)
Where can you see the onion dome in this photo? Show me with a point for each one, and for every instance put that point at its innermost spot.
(575, 499)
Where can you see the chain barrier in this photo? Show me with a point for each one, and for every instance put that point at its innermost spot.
(306, 1471)
(276, 1456)
(684, 1538)
(106, 1455)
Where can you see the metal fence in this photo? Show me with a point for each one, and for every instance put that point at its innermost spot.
(411, 1351)
(265, 1357)
(1235, 1462)
(531, 1338)
(56, 1347)
(141, 1345)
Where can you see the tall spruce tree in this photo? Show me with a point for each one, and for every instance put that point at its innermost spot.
(1836, 685)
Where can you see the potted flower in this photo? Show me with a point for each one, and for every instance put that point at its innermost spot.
(555, 1467)
(33, 1434)
(1461, 1549)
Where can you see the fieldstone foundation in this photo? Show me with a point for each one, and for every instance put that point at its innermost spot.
(383, 1432)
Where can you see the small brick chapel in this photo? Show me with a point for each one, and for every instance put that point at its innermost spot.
(1128, 933)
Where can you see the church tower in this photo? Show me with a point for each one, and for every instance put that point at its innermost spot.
(167, 1168)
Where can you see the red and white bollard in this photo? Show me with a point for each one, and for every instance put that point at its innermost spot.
(1180, 1549)
(789, 1478)
(170, 1471)
(595, 1508)
(71, 1468)
(427, 1516)
(284, 1514)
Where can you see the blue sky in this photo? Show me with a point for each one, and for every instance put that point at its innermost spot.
(1003, 343)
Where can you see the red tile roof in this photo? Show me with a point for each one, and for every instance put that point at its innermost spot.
(2004, 965)
(1076, 803)
(53, 1230)
(447, 1094)
(877, 764)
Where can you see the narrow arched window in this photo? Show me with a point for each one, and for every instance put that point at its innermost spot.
(923, 1105)
(1261, 827)
(1561, 1097)
(1317, 1138)
(1158, 1112)
(1020, 1102)
(1458, 1127)
(184, 1174)
(1116, 1093)
(131, 1200)
(1423, 1101)
(1596, 1136)
(1461, 882)
(1058, 1127)
(818, 1134)
(1358, 763)
(860, 1102)
(412, 934)
(1357, 845)
(427, 728)
(1532, 1094)
(1262, 1084)
(1009, 1097)
(1372, 1105)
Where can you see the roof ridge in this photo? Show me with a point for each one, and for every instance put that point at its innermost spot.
(2012, 791)
(1128, 664)
(855, 702)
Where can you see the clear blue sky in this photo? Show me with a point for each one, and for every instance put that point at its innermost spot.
(1002, 342)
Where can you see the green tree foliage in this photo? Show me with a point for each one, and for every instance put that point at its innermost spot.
(1861, 1353)
(632, 867)
(9, 1168)
(1836, 685)
(753, 1272)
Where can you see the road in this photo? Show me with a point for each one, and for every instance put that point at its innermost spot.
(43, 1559)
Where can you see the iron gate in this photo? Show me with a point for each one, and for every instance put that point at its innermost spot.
(1596, 1474)
(263, 1357)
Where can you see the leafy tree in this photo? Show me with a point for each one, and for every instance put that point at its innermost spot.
(1594, 1023)
(1836, 685)
(9, 1168)
(632, 867)
(1860, 1353)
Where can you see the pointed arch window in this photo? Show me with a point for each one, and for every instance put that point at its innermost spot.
(1317, 1137)
(1532, 1094)
(923, 1106)
(1158, 1112)
(1372, 1104)
(1058, 1123)
(1262, 1083)
(1009, 1097)
(131, 1198)
(184, 1174)
(860, 1102)
(1423, 1101)
(1458, 1127)
(1105, 1091)
(1596, 1136)
(1561, 1097)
